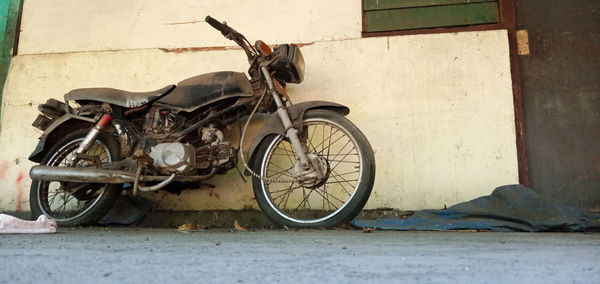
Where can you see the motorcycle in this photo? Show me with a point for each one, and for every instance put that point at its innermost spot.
(310, 166)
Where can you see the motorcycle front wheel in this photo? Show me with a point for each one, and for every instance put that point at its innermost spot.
(75, 204)
(333, 201)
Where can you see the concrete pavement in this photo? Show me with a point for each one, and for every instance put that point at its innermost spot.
(130, 255)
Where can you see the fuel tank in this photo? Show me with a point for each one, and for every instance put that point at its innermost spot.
(195, 92)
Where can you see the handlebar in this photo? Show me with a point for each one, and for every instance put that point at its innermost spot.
(215, 24)
(232, 34)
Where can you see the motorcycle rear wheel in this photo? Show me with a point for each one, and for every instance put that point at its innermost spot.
(84, 204)
(336, 200)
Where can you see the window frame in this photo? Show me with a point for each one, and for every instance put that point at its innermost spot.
(506, 13)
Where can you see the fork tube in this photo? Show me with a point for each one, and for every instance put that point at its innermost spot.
(290, 131)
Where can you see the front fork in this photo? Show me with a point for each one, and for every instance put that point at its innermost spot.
(290, 131)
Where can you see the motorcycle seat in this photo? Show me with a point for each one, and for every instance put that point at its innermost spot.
(117, 97)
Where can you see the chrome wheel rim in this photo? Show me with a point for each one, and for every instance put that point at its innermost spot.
(306, 205)
(61, 205)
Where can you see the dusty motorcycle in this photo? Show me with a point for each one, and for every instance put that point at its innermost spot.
(310, 166)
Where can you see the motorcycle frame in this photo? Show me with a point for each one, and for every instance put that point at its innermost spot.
(285, 121)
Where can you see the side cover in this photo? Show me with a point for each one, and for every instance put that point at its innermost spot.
(273, 125)
(195, 92)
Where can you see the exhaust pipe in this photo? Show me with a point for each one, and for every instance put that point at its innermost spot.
(81, 175)
(94, 175)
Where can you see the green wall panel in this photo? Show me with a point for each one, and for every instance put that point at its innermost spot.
(9, 13)
(432, 16)
(370, 5)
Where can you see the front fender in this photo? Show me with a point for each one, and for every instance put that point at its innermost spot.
(273, 124)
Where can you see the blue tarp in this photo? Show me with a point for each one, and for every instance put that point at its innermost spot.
(508, 208)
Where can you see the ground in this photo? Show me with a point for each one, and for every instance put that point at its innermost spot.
(141, 255)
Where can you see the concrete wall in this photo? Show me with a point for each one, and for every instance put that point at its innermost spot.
(437, 108)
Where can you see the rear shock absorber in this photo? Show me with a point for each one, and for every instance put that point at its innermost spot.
(92, 135)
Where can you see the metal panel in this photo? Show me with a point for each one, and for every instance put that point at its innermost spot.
(434, 16)
(561, 98)
(370, 5)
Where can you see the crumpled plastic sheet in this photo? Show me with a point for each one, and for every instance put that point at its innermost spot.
(509, 208)
(13, 225)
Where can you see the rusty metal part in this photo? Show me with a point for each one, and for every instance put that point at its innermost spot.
(281, 89)
(150, 119)
(134, 110)
(91, 158)
(141, 156)
(94, 175)
(106, 108)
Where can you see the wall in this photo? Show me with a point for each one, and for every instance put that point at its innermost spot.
(561, 98)
(437, 108)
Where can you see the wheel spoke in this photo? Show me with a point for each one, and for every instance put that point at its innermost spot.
(305, 199)
(305, 204)
(83, 196)
(342, 184)
(283, 172)
(327, 199)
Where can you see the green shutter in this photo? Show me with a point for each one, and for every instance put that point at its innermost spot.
(390, 15)
(9, 12)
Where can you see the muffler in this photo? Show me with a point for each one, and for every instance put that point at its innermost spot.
(81, 175)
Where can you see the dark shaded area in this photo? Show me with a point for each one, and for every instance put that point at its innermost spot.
(509, 208)
(561, 98)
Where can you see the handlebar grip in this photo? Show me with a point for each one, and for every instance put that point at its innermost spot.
(215, 24)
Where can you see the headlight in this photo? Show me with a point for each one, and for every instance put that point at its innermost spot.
(289, 63)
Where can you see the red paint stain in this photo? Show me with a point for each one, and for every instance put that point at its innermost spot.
(20, 192)
(3, 168)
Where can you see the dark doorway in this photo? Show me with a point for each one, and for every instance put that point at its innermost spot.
(561, 98)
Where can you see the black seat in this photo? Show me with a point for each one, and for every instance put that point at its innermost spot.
(117, 97)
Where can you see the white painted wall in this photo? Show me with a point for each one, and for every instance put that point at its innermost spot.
(437, 108)
(72, 25)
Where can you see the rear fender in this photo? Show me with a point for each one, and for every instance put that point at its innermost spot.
(273, 124)
(56, 130)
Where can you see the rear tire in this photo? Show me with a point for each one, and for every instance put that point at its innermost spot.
(90, 202)
(350, 178)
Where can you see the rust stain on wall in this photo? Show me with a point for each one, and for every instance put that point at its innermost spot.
(19, 191)
(183, 23)
(3, 168)
(213, 48)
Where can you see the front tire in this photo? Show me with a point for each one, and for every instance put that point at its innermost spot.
(335, 200)
(75, 204)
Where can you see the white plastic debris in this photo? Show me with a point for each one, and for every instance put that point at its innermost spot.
(13, 225)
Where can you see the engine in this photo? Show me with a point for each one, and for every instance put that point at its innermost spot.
(216, 152)
(183, 158)
(162, 121)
